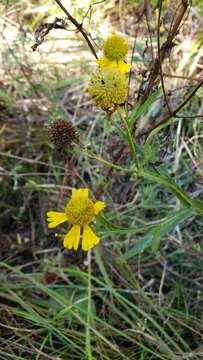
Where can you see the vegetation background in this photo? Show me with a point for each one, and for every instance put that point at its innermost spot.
(125, 303)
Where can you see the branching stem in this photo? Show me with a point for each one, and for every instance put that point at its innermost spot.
(174, 113)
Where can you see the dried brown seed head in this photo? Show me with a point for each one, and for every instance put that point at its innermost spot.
(62, 134)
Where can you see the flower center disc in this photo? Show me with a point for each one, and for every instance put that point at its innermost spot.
(80, 211)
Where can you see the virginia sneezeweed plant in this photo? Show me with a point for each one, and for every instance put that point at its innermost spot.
(108, 90)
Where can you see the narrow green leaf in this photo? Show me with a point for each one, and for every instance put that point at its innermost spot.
(148, 154)
(169, 183)
(140, 109)
(139, 247)
(156, 239)
(198, 205)
(153, 238)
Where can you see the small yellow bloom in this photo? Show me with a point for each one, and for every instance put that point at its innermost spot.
(115, 47)
(121, 65)
(108, 88)
(79, 211)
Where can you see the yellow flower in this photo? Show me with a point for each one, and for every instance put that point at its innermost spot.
(108, 88)
(121, 65)
(115, 47)
(79, 211)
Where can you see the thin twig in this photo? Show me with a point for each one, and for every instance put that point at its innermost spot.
(79, 27)
(189, 116)
(165, 49)
(159, 55)
(146, 12)
(131, 63)
(91, 8)
(162, 282)
(174, 113)
(181, 77)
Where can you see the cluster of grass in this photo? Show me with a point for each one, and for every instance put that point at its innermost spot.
(117, 302)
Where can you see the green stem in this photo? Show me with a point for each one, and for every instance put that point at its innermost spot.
(88, 335)
(129, 136)
(107, 163)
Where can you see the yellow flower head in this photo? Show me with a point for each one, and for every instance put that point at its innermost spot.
(79, 211)
(115, 47)
(108, 88)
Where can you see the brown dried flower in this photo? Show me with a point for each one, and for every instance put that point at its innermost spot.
(62, 134)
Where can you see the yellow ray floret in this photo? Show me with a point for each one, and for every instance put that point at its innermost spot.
(72, 238)
(99, 206)
(90, 239)
(79, 212)
(55, 218)
(121, 65)
(80, 193)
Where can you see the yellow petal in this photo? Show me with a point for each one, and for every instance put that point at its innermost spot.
(74, 192)
(54, 214)
(80, 193)
(55, 218)
(72, 238)
(90, 239)
(99, 206)
(106, 63)
(103, 62)
(123, 66)
(84, 192)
